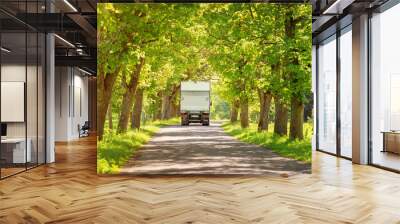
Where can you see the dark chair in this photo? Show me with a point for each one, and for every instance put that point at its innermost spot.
(84, 130)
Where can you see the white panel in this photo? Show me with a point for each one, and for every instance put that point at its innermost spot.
(12, 101)
(195, 86)
(195, 101)
(313, 89)
(346, 94)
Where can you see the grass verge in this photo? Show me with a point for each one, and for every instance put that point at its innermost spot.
(114, 150)
(296, 149)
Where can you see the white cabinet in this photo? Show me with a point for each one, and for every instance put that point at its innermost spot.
(19, 155)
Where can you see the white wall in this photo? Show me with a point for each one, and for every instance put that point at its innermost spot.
(71, 87)
(81, 83)
(62, 82)
(12, 73)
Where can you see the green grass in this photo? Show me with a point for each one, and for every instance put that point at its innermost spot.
(114, 150)
(296, 149)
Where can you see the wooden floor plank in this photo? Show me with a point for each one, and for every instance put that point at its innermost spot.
(70, 191)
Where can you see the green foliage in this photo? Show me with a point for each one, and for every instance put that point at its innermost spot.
(296, 149)
(115, 149)
(238, 43)
(219, 107)
(153, 31)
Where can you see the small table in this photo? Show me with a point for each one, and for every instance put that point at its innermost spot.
(391, 141)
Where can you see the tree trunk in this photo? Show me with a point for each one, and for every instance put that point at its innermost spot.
(244, 113)
(174, 110)
(127, 98)
(171, 111)
(281, 117)
(137, 109)
(125, 110)
(308, 108)
(296, 119)
(165, 106)
(110, 122)
(105, 84)
(158, 112)
(265, 104)
(158, 107)
(296, 105)
(168, 100)
(178, 109)
(235, 110)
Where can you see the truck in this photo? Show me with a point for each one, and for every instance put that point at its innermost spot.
(195, 102)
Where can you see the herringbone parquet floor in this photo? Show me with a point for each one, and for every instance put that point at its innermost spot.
(69, 191)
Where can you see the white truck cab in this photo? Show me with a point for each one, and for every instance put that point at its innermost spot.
(195, 102)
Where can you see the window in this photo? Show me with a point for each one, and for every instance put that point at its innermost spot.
(22, 92)
(327, 95)
(385, 89)
(346, 92)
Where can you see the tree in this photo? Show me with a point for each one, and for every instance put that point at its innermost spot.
(137, 109)
(127, 99)
(125, 34)
(232, 53)
(298, 42)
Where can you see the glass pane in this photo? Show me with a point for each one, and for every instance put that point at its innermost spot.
(327, 96)
(346, 94)
(41, 99)
(14, 153)
(386, 89)
(32, 97)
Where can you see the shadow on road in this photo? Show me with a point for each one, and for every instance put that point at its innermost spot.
(207, 150)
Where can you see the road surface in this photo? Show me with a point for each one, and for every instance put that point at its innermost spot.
(207, 150)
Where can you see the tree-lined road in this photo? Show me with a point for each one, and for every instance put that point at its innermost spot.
(207, 150)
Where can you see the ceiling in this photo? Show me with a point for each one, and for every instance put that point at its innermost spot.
(330, 15)
(73, 21)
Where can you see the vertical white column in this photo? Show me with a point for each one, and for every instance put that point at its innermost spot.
(50, 110)
(50, 93)
(360, 90)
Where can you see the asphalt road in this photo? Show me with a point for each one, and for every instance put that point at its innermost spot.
(207, 150)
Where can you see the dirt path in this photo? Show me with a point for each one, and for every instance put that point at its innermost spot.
(206, 150)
